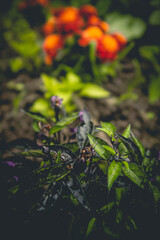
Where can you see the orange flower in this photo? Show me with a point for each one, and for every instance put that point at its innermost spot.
(107, 48)
(121, 39)
(90, 33)
(51, 45)
(69, 20)
(96, 21)
(49, 26)
(88, 10)
(32, 3)
(43, 2)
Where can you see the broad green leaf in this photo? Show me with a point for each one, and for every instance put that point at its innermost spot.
(64, 122)
(108, 128)
(139, 144)
(154, 93)
(139, 171)
(91, 226)
(93, 91)
(114, 171)
(55, 129)
(154, 18)
(97, 144)
(42, 105)
(35, 126)
(132, 148)
(130, 174)
(109, 149)
(73, 81)
(35, 116)
(68, 120)
(49, 82)
(131, 27)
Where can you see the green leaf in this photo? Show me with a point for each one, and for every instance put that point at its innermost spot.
(68, 120)
(109, 149)
(105, 209)
(32, 153)
(42, 105)
(97, 144)
(154, 18)
(122, 148)
(35, 116)
(108, 128)
(50, 83)
(132, 148)
(131, 27)
(94, 91)
(73, 81)
(63, 123)
(35, 126)
(127, 131)
(91, 227)
(114, 171)
(154, 93)
(131, 175)
(139, 144)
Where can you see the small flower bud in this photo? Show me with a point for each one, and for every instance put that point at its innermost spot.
(56, 102)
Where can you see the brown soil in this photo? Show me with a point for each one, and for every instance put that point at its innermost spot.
(15, 124)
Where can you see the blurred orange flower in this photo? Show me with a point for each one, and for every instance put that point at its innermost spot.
(49, 26)
(90, 33)
(31, 3)
(51, 45)
(69, 20)
(107, 48)
(43, 2)
(96, 21)
(121, 39)
(88, 10)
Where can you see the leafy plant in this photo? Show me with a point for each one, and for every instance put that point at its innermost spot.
(101, 186)
(69, 88)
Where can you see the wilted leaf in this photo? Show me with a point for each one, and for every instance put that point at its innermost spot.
(82, 133)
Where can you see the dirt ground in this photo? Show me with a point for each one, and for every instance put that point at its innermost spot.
(15, 124)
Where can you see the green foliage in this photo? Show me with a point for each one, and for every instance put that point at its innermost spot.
(87, 176)
(69, 86)
(24, 41)
(130, 26)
